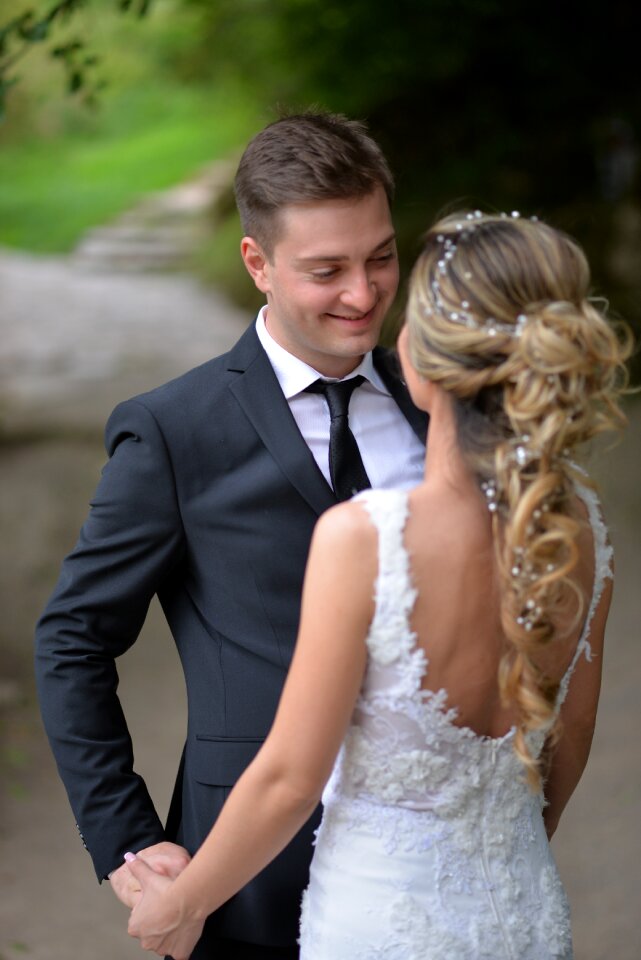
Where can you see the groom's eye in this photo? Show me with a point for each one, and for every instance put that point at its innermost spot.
(326, 274)
(384, 257)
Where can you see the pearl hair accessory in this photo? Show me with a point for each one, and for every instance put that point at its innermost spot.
(523, 571)
(461, 314)
(522, 453)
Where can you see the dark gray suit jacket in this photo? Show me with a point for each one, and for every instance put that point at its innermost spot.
(209, 499)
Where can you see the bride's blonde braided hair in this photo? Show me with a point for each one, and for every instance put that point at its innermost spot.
(499, 316)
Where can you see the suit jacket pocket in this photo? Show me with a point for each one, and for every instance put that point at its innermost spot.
(219, 761)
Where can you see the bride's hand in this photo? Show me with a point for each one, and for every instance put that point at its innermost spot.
(160, 921)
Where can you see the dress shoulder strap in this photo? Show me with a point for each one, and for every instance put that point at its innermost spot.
(603, 555)
(394, 593)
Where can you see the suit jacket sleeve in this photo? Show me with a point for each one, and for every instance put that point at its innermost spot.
(131, 541)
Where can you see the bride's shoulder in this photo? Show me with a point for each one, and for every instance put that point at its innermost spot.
(344, 552)
(349, 532)
(348, 523)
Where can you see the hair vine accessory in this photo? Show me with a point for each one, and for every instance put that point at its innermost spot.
(522, 452)
(489, 489)
(462, 313)
(524, 573)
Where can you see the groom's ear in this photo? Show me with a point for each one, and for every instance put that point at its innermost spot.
(256, 263)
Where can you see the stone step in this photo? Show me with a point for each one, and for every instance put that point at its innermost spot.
(131, 247)
(160, 232)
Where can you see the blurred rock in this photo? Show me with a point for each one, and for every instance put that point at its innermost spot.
(73, 343)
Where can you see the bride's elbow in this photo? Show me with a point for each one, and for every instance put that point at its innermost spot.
(298, 795)
(292, 789)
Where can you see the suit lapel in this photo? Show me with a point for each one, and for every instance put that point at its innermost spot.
(387, 364)
(258, 392)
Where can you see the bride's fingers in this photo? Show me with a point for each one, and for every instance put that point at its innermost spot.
(153, 921)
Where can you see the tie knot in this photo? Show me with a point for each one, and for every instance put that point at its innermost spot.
(337, 393)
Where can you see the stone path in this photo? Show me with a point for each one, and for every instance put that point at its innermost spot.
(79, 333)
(75, 339)
(161, 231)
(73, 343)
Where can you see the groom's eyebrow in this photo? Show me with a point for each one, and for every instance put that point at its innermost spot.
(323, 257)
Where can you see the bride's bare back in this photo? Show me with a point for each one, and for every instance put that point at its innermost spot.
(456, 616)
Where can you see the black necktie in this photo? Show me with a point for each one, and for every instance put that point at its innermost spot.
(345, 464)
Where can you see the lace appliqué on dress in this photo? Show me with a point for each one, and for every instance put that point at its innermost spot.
(603, 558)
(431, 846)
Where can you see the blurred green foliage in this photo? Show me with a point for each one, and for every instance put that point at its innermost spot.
(52, 191)
(65, 168)
(29, 27)
(476, 102)
(493, 98)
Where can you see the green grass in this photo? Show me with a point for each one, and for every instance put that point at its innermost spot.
(64, 168)
(51, 191)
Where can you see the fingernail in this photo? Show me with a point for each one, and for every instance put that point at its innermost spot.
(129, 857)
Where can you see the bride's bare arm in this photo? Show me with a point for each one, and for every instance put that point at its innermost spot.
(568, 758)
(281, 788)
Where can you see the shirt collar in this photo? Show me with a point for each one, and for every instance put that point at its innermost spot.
(294, 375)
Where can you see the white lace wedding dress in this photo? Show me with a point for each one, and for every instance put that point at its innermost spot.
(431, 847)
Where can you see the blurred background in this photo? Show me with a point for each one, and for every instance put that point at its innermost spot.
(121, 126)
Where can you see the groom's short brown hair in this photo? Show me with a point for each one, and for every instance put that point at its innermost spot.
(302, 158)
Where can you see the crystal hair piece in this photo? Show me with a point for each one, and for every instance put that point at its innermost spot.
(522, 571)
(461, 313)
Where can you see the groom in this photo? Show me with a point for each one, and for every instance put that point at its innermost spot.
(209, 498)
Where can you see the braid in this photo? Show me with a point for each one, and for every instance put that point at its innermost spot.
(536, 370)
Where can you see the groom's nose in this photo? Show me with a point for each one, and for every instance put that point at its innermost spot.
(359, 293)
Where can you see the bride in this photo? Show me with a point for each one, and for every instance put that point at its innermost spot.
(444, 688)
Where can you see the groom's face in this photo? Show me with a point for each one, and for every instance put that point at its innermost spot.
(331, 278)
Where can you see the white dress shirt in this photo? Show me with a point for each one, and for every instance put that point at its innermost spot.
(392, 454)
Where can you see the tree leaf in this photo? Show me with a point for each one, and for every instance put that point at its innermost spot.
(76, 81)
(39, 32)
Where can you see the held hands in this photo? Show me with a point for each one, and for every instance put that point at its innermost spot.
(160, 920)
(167, 859)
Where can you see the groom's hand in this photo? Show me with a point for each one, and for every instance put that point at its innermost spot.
(167, 859)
